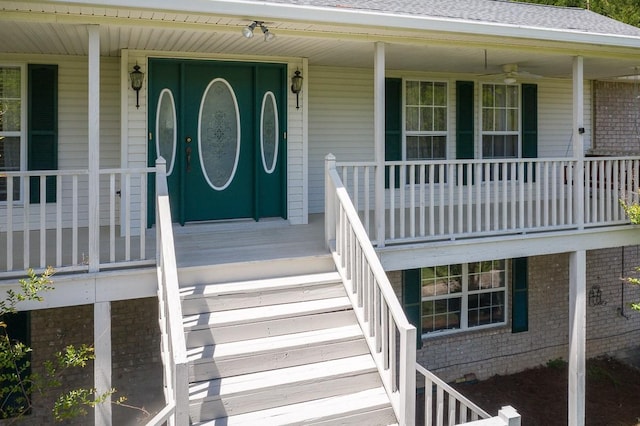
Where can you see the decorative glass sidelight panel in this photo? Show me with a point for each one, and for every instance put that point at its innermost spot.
(269, 133)
(166, 131)
(219, 134)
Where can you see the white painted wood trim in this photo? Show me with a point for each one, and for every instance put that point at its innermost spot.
(102, 362)
(305, 143)
(379, 139)
(577, 336)
(578, 137)
(94, 147)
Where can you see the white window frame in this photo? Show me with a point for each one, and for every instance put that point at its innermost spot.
(406, 132)
(22, 133)
(482, 132)
(464, 302)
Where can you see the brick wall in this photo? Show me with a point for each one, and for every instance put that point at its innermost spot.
(499, 351)
(136, 363)
(616, 118)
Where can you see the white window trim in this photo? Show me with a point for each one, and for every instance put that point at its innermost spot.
(405, 133)
(464, 304)
(22, 133)
(480, 133)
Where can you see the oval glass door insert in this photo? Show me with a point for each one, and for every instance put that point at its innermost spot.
(219, 134)
(269, 132)
(166, 132)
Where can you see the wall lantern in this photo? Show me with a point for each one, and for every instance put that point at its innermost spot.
(296, 86)
(137, 77)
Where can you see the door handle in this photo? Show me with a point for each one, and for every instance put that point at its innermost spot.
(188, 152)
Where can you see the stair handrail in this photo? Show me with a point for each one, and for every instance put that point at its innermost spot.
(173, 345)
(374, 302)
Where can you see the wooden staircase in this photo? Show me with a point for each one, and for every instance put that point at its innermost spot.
(278, 350)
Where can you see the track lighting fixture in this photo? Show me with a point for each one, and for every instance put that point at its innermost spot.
(248, 30)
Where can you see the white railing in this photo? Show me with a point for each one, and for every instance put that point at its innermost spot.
(379, 313)
(436, 200)
(448, 407)
(173, 346)
(55, 233)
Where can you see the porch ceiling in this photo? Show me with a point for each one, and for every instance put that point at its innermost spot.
(44, 30)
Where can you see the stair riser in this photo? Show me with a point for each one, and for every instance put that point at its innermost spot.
(224, 302)
(278, 327)
(231, 272)
(380, 417)
(217, 368)
(292, 393)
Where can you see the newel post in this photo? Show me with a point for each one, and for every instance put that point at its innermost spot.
(161, 175)
(329, 200)
(510, 416)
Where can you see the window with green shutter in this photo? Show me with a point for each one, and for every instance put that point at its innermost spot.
(42, 134)
(412, 300)
(520, 296)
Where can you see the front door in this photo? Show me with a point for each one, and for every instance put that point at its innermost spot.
(220, 126)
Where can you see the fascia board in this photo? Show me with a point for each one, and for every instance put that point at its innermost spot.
(265, 11)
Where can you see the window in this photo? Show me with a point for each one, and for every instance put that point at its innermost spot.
(500, 121)
(425, 120)
(463, 296)
(11, 127)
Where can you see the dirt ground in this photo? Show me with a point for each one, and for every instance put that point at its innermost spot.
(540, 394)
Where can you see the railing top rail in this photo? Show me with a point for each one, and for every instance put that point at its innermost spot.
(370, 254)
(128, 170)
(29, 173)
(483, 161)
(439, 382)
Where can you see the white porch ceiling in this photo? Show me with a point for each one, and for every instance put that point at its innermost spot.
(43, 30)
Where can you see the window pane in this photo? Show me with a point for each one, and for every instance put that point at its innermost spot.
(511, 146)
(501, 120)
(440, 119)
(440, 94)
(512, 119)
(9, 83)
(487, 119)
(500, 96)
(512, 96)
(426, 119)
(439, 148)
(487, 95)
(413, 94)
(9, 162)
(412, 147)
(426, 93)
(412, 118)
(10, 115)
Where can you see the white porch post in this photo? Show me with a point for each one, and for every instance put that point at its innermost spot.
(102, 362)
(578, 139)
(94, 147)
(577, 336)
(378, 136)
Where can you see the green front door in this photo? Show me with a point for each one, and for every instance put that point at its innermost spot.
(223, 138)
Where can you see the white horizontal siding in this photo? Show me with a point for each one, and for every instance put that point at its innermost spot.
(340, 122)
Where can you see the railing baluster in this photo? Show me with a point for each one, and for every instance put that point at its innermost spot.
(74, 220)
(26, 227)
(112, 217)
(392, 202)
(59, 220)
(616, 189)
(554, 195)
(43, 221)
(452, 410)
(440, 406)
(412, 200)
(451, 184)
(127, 215)
(460, 204)
(504, 200)
(486, 179)
(422, 199)
(10, 229)
(432, 195)
(367, 188)
(402, 205)
(477, 182)
(428, 401)
(468, 169)
(441, 189)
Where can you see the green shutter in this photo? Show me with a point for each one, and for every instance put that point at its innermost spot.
(42, 131)
(393, 125)
(520, 296)
(530, 121)
(412, 300)
(464, 120)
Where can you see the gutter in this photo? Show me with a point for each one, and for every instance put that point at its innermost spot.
(264, 11)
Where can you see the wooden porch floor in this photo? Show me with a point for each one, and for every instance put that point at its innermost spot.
(245, 241)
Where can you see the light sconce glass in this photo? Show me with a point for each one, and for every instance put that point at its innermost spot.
(248, 30)
(137, 77)
(296, 86)
(509, 80)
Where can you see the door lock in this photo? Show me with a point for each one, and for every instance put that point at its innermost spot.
(188, 139)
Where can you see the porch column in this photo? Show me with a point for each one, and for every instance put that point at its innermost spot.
(578, 139)
(378, 137)
(94, 147)
(102, 362)
(577, 336)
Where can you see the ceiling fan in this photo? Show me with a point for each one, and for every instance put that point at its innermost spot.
(510, 74)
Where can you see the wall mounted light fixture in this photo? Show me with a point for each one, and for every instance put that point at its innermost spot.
(248, 30)
(137, 77)
(296, 86)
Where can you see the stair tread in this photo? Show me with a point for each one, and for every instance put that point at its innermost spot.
(263, 313)
(218, 388)
(319, 409)
(249, 286)
(271, 344)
